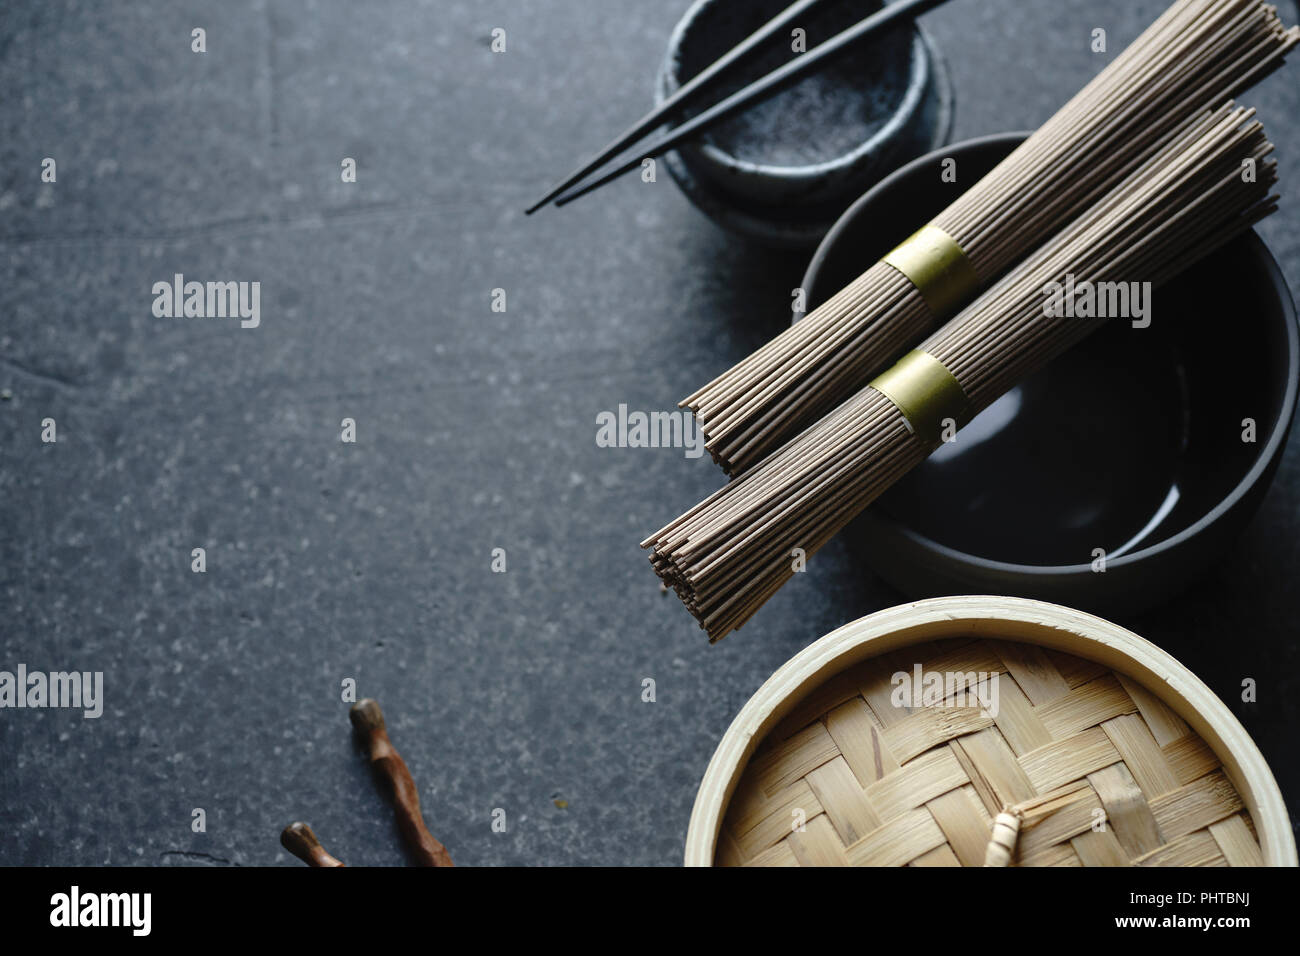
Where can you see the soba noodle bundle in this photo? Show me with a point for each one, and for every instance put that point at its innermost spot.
(1196, 56)
(729, 554)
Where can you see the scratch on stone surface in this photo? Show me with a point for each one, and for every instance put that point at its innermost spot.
(196, 855)
(352, 214)
(272, 117)
(48, 378)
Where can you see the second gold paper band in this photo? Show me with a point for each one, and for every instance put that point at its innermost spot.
(925, 392)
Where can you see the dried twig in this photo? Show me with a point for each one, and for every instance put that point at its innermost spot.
(368, 720)
(300, 840)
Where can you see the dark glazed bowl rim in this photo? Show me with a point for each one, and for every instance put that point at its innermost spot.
(913, 93)
(1264, 461)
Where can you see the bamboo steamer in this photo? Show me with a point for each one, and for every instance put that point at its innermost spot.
(1090, 746)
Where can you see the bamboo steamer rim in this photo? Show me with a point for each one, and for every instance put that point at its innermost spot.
(1017, 619)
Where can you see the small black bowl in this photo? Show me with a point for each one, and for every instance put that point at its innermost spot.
(1132, 442)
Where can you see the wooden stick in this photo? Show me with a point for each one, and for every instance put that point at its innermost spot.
(300, 840)
(368, 720)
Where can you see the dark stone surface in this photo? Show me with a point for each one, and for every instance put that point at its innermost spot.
(475, 428)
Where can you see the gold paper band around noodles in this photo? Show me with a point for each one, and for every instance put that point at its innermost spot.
(938, 267)
(926, 393)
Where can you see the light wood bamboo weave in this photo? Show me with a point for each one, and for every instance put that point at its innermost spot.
(1099, 770)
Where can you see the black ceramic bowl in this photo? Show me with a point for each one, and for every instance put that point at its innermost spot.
(1132, 442)
(782, 171)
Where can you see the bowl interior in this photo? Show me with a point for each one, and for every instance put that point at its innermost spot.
(823, 117)
(1128, 439)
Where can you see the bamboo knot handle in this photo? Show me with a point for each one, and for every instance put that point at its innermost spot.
(1002, 839)
(368, 720)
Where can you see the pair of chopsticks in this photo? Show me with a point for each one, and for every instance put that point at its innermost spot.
(755, 92)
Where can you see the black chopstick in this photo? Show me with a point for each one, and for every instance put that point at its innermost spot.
(683, 95)
(763, 88)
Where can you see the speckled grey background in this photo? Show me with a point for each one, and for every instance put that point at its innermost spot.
(476, 429)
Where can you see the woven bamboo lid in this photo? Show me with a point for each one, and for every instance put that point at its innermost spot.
(974, 730)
